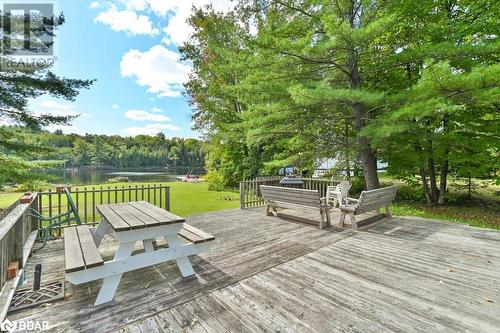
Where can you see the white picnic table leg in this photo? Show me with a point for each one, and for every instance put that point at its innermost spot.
(110, 284)
(100, 231)
(148, 245)
(184, 264)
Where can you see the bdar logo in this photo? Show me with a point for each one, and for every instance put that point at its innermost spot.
(8, 326)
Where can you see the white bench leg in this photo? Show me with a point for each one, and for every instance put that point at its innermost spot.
(184, 264)
(100, 231)
(148, 245)
(110, 284)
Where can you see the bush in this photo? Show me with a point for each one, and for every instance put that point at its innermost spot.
(410, 193)
(358, 185)
(32, 185)
(215, 181)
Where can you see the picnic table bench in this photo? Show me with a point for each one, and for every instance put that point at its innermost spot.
(368, 201)
(295, 198)
(128, 223)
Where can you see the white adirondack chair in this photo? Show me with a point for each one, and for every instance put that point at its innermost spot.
(338, 194)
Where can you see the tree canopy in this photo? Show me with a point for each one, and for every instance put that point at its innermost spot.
(411, 83)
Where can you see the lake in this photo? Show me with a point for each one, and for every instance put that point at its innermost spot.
(93, 175)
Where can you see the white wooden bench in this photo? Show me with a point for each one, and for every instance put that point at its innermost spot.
(368, 201)
(294, 198)
(129, 223)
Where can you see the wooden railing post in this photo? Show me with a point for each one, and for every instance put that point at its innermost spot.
(242, 195)
(167, 198)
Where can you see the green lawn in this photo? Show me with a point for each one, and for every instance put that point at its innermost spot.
(186, 198)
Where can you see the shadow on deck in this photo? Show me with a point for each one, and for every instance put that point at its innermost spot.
(269, 274)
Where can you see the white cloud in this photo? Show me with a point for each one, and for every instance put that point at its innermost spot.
(142, 115)
(178, 11)
(177, 28)
(115, 106)
(94, 4)
(150, 129)
(159, 69)
(156, 110)
(55, 108)
(127, 21)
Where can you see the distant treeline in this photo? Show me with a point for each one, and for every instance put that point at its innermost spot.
(115, 151)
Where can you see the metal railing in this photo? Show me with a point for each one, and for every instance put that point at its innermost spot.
(17, 235)
(250, 195)
(86, 199)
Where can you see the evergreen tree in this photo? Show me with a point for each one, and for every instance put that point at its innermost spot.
(17, 87)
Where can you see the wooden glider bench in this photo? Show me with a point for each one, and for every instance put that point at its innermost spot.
(84, 262)
(294, 198)
(368, 201)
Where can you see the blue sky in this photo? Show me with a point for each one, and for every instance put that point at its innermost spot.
(130, 47)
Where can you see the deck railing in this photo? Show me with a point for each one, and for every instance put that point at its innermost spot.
(17, 235)
(250, 192)
(86, 199)
(5, 211)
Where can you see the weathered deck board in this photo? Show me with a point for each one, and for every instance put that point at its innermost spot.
(266, 274)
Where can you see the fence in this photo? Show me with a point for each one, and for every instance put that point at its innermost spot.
(17, 235)
(250, 193)
(51, 203)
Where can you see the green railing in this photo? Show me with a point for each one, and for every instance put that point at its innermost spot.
(86, 199)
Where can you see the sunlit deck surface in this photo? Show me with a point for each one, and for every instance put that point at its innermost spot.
(269, 274)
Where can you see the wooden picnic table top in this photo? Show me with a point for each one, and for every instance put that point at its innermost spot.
(136, 215)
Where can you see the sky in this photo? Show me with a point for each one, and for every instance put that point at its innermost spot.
(131, 49)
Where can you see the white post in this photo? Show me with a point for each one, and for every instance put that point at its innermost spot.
(184, 264)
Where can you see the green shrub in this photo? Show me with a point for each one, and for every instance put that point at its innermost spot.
(410, 193)
(215, 181)
(358, 185)
(32, 185)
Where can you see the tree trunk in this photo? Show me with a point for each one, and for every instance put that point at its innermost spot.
(423, 176)
(366, 153)
(443, 179)
(346, 145)
(469, 192)
(431, 165)
(432, 180)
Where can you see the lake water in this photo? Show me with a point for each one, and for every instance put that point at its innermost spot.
(89, 175)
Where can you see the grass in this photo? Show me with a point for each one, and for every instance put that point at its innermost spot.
(186, 198)
(473, 216)
(481, 209)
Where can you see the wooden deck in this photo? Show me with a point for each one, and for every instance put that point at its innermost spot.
(267, 274)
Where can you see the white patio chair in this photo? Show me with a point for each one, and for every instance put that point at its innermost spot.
(338, 194)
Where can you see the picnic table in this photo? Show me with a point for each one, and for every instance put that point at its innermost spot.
(129, 223)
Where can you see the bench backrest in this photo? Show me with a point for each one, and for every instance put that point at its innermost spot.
(374, 199)
(291, 196)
